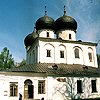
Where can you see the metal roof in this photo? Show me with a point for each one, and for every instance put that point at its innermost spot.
(51, 69)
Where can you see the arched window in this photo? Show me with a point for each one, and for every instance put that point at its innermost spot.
(48, 53)
(76, 52)
(47, 34)
(90, 54)
(61, 54)
(62, 50)
(49, 50)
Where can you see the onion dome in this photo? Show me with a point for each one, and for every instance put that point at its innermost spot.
(45, 22)
(29, 39)
(65, 22)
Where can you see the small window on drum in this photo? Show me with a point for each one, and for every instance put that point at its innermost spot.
(70, 37)
(48, 35)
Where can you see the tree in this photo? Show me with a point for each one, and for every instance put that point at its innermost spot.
(66, 88)
(23, 62)
(6, 60)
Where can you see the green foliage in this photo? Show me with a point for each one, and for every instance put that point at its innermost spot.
(23, 62)
(98, 59)
(6, 60)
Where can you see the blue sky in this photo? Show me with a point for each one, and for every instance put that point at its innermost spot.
(17, 19)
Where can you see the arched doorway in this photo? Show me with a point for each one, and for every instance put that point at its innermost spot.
(28, 89)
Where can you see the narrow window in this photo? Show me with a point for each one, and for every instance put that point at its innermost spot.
(93, 83)
(70, 37)
(48, 53)
(33, 56)
(33, 52)
(47, 34)
(13, 89)
(79, 86)
(61, 54)
(76, 51)
(41, 87)
(90, 56)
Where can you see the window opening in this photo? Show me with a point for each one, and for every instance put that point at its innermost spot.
(61, 54)
(41, 87)
(48, 53)
(76, 51)
(90, 56)
(70, 37)
(93, 83)
(13, 88)
(79, 86)
(30, 91)
(47, 34)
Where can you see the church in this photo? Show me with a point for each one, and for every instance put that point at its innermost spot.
(59, 67)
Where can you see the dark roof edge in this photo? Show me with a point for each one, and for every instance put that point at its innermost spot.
(73, 75)
(15, 73)
(42, 74)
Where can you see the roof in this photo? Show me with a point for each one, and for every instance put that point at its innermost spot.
(45, 22)
(65, 22)
(29, 39)
(52, 69)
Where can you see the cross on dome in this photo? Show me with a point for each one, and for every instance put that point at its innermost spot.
(64, 10)
(45, 10)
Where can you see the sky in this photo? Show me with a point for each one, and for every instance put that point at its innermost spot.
(18, 17)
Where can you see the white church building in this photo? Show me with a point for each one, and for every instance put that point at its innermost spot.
(59, 67)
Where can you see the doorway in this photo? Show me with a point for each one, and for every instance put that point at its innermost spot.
(28, 89)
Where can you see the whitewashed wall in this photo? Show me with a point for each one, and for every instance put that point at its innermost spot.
(43, 33)
(69, 53)
(66, 90)
(64, 34)
(5, 86)
(32, 54)
(69, 57)
(55, 90)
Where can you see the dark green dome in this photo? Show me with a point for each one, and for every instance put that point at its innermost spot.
(29, 39)
(45, 22)
(65, 22)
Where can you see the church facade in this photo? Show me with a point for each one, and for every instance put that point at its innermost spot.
(59, 67)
